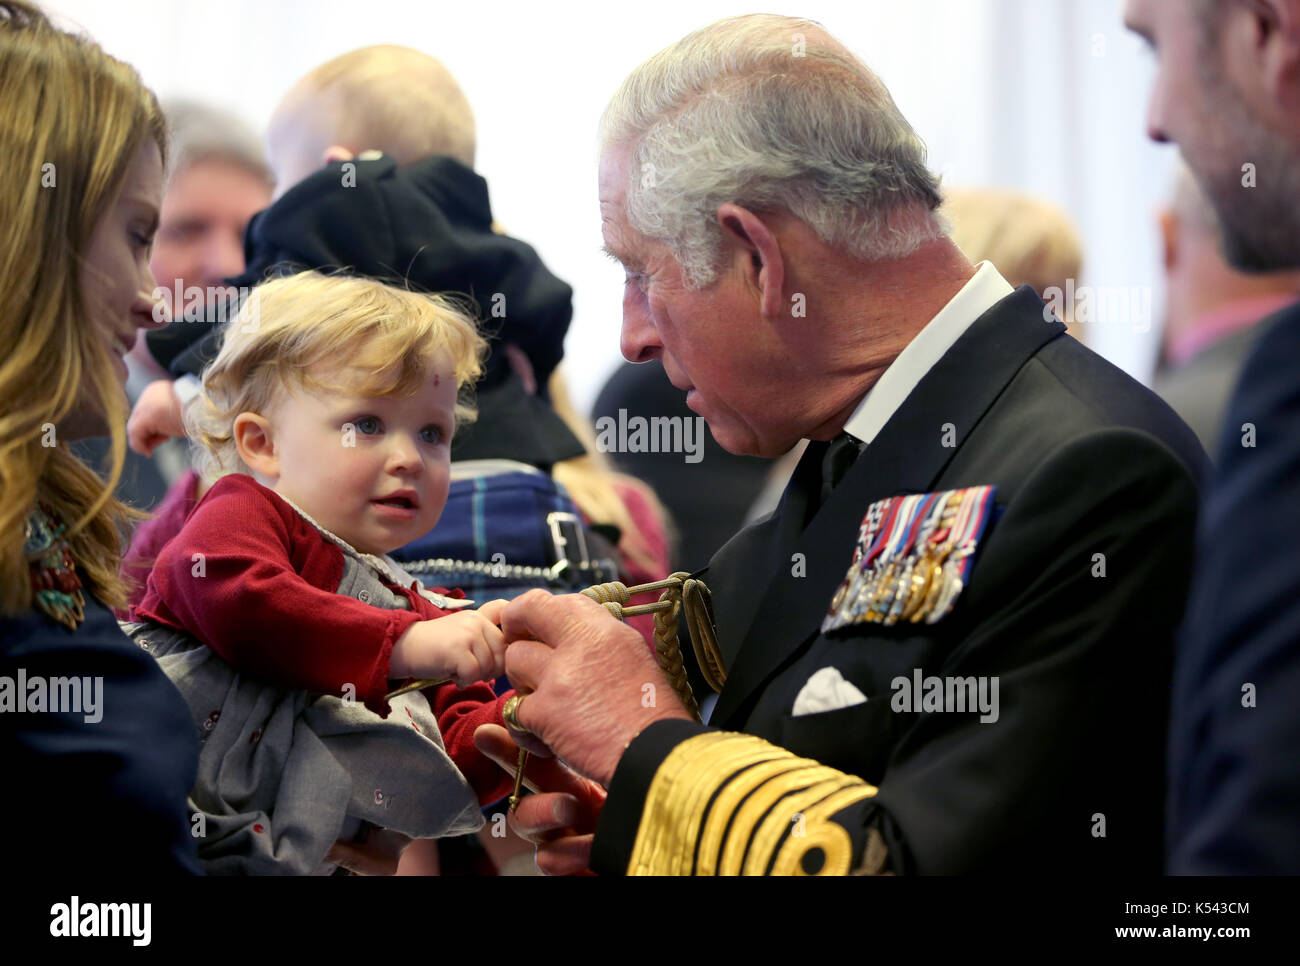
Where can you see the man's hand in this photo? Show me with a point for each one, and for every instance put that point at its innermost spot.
(156, 418)
(590, 685)
(561, 818)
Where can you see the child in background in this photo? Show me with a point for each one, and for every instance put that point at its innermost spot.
(330, 409)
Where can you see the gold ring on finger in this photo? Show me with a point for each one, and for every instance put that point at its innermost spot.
(510, 714)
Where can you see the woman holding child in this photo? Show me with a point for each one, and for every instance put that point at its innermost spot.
(103, 781)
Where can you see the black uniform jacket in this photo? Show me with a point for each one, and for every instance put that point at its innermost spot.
(1071, 604)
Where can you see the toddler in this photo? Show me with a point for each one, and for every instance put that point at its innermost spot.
(326, 419)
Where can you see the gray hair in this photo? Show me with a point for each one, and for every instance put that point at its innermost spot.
(200, 132)
(749, 111)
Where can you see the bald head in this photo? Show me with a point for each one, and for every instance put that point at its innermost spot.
(387, 98)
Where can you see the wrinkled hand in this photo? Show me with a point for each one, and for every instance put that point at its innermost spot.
(590, 684)
(560, 819)
(156, 418)
(377, 855)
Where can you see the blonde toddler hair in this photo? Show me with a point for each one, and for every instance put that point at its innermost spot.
(293, 333)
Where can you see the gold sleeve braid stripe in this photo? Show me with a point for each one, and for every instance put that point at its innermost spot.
(787, 819)
(742, 804)
(675, 805)
(821, 833)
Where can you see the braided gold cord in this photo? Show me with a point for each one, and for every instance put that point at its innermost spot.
(668, 649)
(698, 604)
(679, 590)
(615, 592)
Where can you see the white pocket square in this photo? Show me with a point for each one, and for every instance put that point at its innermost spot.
(826, 690)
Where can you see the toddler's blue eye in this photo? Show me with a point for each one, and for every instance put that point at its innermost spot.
(367, 425)
(431, 435)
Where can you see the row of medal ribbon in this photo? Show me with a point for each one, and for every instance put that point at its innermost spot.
(912, 558)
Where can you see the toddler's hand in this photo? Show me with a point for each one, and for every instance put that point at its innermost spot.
(156, 417)
(467, 646)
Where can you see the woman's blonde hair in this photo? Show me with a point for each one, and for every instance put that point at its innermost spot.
(72, 121)
(291, 333)
(1029, 240)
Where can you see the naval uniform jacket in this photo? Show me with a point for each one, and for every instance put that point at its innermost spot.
(1071, 604)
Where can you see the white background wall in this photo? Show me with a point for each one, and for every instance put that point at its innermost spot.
(1043, 95)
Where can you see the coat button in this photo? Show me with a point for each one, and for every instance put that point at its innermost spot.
(364, 596)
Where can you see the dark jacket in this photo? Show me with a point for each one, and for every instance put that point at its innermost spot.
(94, 798)
(1071, 774)
(1234, 732)
(428, 227)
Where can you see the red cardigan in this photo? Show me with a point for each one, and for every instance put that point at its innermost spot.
(254, 581)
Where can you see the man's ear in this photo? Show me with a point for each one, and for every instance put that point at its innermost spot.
(255, 445)
(756, 239)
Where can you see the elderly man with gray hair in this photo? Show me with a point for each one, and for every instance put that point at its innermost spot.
(948, 649)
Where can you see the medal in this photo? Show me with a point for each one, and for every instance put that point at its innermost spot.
(912, 558)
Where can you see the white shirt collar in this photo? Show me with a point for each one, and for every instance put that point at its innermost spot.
(986, 288)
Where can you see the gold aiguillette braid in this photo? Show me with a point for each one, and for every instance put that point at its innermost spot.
(680, 591)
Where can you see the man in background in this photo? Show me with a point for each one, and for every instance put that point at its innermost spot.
(218, 180)
(1227, 91)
